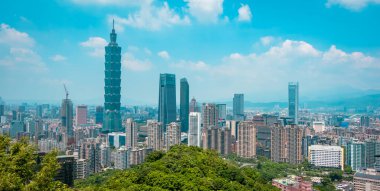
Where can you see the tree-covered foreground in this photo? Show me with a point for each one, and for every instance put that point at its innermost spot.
(181, 168)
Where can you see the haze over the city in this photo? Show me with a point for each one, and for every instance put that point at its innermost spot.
(331, 47)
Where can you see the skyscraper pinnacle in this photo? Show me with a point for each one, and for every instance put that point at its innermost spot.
(113, 24)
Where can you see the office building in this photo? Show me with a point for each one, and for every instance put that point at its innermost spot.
(99, 115)
(167, 99)
(173, 135)
(67, 120)
(326, 156)
(131, 132)
(364, 121)
(184, 105)
(372, 150)
(293, 103)
(246, 142)
(238, 107)
(195, 129)
(222, 114)
(367, 180)
(286, 143)
(81, 115)
(355, 155)
(112, 88)
(155, 135)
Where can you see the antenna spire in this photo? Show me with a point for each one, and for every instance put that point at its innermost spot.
(113, 24)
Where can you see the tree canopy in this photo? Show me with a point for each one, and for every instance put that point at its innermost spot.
(19, 169)
(181, 168)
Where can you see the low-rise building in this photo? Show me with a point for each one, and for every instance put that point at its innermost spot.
(292, 183)
(367, 180)
(326, 156)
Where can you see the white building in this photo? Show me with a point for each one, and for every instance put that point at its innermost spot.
(122, 158)
(319, 126)
(195, 131)
(116, 139)
(131, 131)
(80, 170)
(326, 156)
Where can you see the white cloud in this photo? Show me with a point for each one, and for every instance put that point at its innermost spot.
(267, 73)
(205, 10)
(355, 5)
(96, 44)
(267, 40)
(245, 14)
(163, 54)
(109, 2)
(150, 17)
(11, 37)
(131, 63)
(58, 58)
(21, 54)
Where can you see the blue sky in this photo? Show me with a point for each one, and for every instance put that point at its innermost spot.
(255, 47)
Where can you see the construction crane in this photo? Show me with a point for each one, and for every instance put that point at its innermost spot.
(67, 92)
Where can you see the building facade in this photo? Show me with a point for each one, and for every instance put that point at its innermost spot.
(246, 142)
(326, 156)
(184, 105)
(155, 135)
(112, 88)
(173, 135)
(81, 115)
(293, 103)
(238, 107)
(195, 129)
(167, 99)
(131, 132)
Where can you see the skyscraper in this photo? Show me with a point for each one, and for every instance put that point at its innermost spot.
(286, 143)
(81, 115)
(184, 105)
(155, 132)
(167, 99)
(67, 119)
(194, 106)
(112, 119)
(194, 135)
(99, 115)
(238, 107)
(293, 100)
(131, 131)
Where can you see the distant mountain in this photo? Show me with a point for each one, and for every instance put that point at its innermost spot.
(356, 102)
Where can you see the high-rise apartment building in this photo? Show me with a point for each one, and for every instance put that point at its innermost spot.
(293, 95)
(210, 115)
(263, 140)
(195, 129)
(184, 105)
(246, 142)
(173, 135)
(131, 131)
(367, 180)
(155, 135)
(286, 143)
(112, 88)
(167, 99)
(122, 158)
(355, 155)
(90, 150)
(81, 115)
(238, 107)
(194, 107)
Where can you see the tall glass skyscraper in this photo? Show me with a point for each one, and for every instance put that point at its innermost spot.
(112, 119)
(67, 119)
(167, 100)
(184, 105)
(293, 101)
(238, 107)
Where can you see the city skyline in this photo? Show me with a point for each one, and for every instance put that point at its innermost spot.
(254, 44)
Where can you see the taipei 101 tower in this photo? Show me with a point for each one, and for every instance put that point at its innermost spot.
(112, 118)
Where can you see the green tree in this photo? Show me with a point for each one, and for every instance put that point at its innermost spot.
(20, 171)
